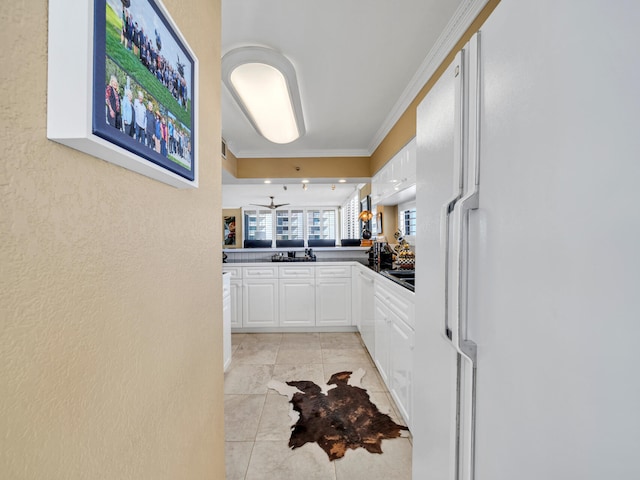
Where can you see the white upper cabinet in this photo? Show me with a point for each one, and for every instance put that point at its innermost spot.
(395, 182)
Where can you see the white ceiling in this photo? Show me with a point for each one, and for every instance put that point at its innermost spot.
(318, 194)
(359, 64)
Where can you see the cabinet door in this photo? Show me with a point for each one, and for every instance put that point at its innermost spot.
(409, 169)
(226, 331)
(333, 301)
(236, 303)
(297, 302)
(260, 303)
(376, 188)
(401, 365)
(382, 317)
(405, 162)
(366, 310)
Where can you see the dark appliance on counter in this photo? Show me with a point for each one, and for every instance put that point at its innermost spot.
(380, 256)
(309, 256)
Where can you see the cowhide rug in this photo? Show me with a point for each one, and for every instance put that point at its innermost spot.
(338, 417)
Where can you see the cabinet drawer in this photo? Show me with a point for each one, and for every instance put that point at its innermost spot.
(335, 271)
(392, 297)
(260, 272)
(297, 272)
(234, 272)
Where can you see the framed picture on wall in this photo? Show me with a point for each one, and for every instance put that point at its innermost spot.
(124, 87)
(229, 231)
(143, 93)
(365, 204)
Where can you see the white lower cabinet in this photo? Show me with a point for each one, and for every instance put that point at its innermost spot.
(333, 296)
(236, 303)
(401, 343)
(333, 302)
(296, 296)
(382, 318)
(363, 310)
(235, 274)
(260, 302)
(297, 302)
(226, 320)
(394, 342)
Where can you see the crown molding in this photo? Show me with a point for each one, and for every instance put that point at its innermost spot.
(457, 26)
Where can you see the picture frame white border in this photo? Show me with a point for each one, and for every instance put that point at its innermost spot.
(70, 76)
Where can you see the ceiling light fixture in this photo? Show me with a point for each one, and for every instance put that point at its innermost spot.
(267, 181)
(305, 181)
(342, 180)
(264, 84)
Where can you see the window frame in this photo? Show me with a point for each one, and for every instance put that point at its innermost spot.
(305, 228)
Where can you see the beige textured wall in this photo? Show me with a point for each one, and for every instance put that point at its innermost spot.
(389, 221)
(313, 167)
(230, 164)
(110, 287)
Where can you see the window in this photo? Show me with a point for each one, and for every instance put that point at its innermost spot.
(258, 225)
(350, 223)
(321, 224)
(407, 219)
(289, 224)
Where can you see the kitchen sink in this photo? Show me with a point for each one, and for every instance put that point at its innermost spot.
(406, 278)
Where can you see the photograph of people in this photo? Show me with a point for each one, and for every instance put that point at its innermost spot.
(112, 99)
(148, 79)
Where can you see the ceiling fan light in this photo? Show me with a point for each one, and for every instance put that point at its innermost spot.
(264, 85)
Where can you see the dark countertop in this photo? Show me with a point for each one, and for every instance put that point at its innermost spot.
(318, 260)
(388, 273)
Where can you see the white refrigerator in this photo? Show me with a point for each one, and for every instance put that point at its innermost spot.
(527, 353)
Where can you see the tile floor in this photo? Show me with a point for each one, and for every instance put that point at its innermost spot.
(257, 423)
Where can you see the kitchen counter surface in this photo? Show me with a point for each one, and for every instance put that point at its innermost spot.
(269, 262)
(294, 249)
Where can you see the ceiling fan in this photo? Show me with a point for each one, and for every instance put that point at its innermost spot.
(271, 206)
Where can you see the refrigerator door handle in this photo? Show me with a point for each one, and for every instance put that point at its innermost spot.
(459, 265)
(465, 347)
(458, 184)
(445, 220)
(466, 398)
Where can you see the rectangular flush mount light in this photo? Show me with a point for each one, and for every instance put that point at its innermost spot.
(264, 92)
(264, 85)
